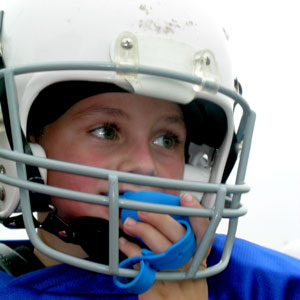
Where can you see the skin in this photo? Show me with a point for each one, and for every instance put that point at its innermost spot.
(130, 133)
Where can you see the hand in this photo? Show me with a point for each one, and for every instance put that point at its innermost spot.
(159, 232)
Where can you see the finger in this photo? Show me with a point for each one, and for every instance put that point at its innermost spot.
(128, 248)
(199, 225)
(154, 239)
(167, 225)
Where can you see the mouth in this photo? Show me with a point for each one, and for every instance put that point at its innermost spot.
(106, 194)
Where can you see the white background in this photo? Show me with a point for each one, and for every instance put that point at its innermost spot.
(264, 36)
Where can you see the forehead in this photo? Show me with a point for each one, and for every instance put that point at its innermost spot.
(118, 103)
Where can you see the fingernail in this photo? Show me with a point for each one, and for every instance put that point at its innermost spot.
(187, 198)
(129, 222)
(142, 214)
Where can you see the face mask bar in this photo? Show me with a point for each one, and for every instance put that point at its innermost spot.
(215, 214)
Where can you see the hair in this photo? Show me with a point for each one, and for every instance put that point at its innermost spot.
(54, 100)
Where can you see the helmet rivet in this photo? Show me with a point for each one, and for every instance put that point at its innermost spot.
(2, 189)
(207, 60)
(127, 43)
(2, 169)
(2, 193)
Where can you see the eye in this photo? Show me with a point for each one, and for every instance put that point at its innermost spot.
(167, 141)
(106, 132)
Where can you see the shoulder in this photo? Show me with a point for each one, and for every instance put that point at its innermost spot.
(60, 281)
(254, 272)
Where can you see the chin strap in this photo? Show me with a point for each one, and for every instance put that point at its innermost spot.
(92, 234)
(82, 231)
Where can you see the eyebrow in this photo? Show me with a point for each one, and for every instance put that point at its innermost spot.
(119, 113)
(98, 108)
(174, 119)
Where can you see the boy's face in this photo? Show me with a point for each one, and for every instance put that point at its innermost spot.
(116, 131)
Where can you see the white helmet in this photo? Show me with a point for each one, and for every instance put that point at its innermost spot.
(164, 49)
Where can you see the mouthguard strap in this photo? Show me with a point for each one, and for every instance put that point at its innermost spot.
(173, 258)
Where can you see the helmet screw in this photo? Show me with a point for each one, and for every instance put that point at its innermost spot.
(2, 169)
(127, 43)
(2, 189)
(2, 192)
(207, 60)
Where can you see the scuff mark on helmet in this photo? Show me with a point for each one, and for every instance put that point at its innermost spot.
(158, 26)
(145, 9)
(168, 27)
(189, 23)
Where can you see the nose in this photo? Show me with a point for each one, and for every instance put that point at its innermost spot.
(138, 158)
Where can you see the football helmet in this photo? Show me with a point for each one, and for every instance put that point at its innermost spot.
(167, 49)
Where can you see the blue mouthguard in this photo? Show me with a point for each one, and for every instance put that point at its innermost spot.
(173, 258)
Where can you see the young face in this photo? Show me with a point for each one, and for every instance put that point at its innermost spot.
(116, 131)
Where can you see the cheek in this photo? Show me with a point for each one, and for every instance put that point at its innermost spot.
(72, 182)
(70, 208)
(172, 169)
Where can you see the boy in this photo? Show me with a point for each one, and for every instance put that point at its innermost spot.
(126, 129)
(102, 131)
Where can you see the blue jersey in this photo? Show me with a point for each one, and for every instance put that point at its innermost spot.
(254, 272)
